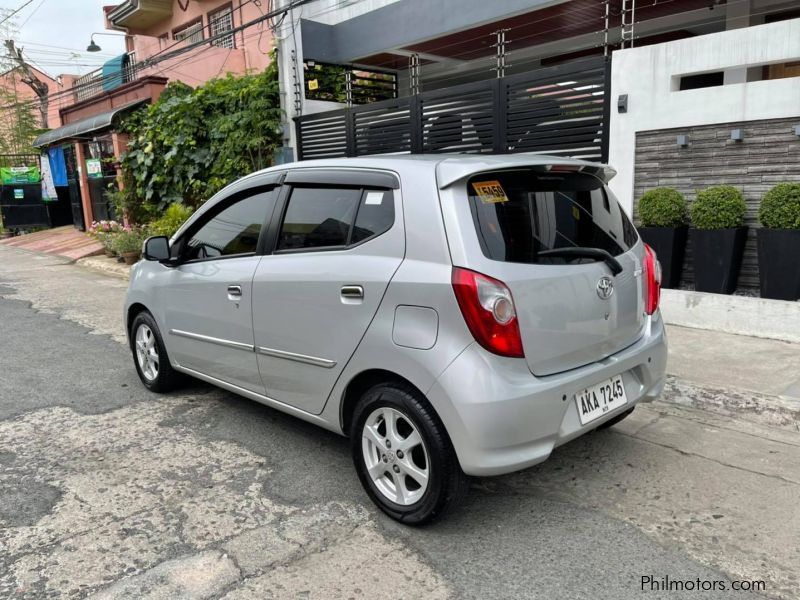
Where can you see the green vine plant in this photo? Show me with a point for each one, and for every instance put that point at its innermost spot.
(192, 142)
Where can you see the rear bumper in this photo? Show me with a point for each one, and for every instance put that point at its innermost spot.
(501, 418)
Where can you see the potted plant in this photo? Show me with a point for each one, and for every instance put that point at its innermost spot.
(718, 238)
(104, 232)
(128, 244)
(664, 215)
(779, 242)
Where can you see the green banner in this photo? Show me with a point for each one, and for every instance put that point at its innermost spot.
(12, 175)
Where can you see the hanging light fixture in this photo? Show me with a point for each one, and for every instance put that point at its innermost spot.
(93, 47)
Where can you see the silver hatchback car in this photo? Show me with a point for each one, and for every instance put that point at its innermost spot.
(452, 315)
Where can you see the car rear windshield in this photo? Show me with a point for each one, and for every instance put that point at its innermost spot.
(519, 214)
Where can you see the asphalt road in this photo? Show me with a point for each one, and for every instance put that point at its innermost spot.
(108, 489)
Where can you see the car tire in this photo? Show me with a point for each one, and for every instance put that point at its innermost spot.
(615, 420)
(155, 370)
(413, 487)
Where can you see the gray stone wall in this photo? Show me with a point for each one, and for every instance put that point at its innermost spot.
(769, 154)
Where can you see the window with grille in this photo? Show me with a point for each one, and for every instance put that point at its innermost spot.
(218, 23)
(189, 33)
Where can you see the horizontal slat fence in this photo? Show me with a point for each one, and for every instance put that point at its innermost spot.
(560, 110)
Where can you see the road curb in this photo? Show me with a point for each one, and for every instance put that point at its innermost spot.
(741, 315)
(105, 265)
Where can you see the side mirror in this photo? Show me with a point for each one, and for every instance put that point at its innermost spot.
(156, 248)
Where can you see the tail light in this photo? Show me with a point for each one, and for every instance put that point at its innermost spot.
(652, 270)
(488, 309)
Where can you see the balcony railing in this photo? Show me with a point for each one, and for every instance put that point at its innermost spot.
(94, 83)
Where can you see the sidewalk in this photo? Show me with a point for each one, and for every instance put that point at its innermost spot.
(756, 378)
(65, 241)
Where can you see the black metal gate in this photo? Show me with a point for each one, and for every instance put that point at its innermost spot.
(73, 187)
(560, 110)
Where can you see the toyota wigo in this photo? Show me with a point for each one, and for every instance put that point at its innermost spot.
(452, 315)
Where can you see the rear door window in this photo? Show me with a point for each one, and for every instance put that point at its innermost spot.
(318, 217)
(334, 217)
(519, 214)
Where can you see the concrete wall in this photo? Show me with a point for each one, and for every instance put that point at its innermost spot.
(331, 12)
(649, 77)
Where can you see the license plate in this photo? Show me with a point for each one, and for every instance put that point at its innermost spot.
(600, 399)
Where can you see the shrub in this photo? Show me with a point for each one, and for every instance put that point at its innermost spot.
(190, 143)
(780, 207)
(175, 216)
(127, 240)
(663, 207)
(718, 207)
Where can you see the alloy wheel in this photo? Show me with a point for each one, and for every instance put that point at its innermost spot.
(147, 352)
(395, 456)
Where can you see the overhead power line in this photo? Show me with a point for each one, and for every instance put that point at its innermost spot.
(33, 12)
(166, 54)
(13, 12)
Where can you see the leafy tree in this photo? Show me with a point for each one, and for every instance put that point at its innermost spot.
(192, 142)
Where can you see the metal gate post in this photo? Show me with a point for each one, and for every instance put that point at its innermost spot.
(298, 131)
(606, 109)
(350, 132)
(499, 106)
(415, 123)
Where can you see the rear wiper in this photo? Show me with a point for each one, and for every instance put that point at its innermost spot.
(577, 252)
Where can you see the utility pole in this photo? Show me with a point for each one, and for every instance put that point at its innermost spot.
(30, 79)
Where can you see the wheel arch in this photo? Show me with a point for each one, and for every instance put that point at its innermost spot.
(133, 310)
(359, 384)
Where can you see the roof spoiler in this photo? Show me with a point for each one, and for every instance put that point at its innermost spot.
(450, 171)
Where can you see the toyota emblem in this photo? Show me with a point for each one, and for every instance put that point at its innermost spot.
(605, 287)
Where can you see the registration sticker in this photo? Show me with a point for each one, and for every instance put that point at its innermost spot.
(490, 192)
(375, 198)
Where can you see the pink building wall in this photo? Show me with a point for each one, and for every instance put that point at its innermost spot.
(11, 83)
(250, 54)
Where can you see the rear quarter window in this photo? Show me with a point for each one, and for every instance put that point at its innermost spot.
(519, 214)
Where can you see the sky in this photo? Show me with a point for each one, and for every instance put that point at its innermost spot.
(54, 34)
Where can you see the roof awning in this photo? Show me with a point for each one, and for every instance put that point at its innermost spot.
(84, 126)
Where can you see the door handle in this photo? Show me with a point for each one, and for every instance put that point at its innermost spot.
(234, 292)
(352, 292)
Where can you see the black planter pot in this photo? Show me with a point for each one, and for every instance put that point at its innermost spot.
(717, 258)
(779, 263)
(670, 246)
